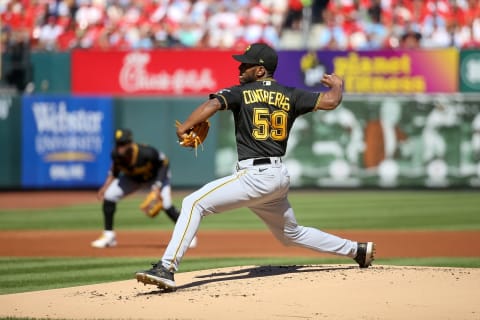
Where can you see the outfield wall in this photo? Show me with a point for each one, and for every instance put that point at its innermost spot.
(64, 141)
(430, 141)
(10, 147)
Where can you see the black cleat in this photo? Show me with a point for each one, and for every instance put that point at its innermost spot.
(365, 254)
(158, 276)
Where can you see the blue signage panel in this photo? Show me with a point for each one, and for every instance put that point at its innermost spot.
(66, 141)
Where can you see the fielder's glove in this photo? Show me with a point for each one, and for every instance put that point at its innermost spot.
(152, 204)
(195, 136)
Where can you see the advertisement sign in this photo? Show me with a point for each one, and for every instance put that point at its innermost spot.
(159, 72)
(376, 72)
(66, 141)
(470, 71)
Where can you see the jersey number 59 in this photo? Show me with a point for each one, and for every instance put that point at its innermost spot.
(269, 125)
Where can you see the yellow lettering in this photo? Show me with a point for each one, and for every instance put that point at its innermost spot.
(285, 103)
(265, 96)
(349, 83)
(340, 66)
(272, 98)
(262, 96)
(419, 84)
(268, 96)
(246, 97)
(392, 66)
(354, 65)
(365, 66)
(380, 65)
(278, 99)
(377, 84)
(405, 64)
(256, 96)
(362, 84)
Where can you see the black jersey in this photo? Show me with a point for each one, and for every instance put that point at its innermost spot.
(142, 163)
(264, 112)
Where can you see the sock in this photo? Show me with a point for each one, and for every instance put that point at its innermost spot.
(109, 233)
(109, 208)
(172, 213)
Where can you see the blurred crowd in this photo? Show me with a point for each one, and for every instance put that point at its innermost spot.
(61, 25)
(376, 24)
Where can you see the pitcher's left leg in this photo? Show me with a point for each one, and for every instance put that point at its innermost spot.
(280, 218)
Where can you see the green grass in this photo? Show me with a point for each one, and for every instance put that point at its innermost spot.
(31, 274)
(426, 210)
(402, 210)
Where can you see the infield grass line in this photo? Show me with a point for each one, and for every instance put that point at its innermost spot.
(401, 210)
(33, 274)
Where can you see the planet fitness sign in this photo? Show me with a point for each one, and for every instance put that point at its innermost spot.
(378, 72)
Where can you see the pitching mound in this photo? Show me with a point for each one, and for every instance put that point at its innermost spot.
(268, 292)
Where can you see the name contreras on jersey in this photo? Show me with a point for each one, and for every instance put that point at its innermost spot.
(273, 98)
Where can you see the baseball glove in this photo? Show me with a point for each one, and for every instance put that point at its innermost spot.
(195, 136)
(152, 204)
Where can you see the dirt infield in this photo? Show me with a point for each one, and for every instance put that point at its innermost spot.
(233, 244)
(44, 199)
(255, 292)
(334, 292)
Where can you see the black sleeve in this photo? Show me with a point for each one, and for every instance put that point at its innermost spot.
(304, 101)
(163, 167)
(114, 169)
(230, 98)
(159, 166)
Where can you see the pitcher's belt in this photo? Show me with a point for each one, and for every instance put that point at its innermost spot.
(258, 161)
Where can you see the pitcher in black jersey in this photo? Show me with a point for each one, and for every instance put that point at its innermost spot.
(135, 166)
(264, 112)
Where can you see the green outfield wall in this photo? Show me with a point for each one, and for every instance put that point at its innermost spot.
(52, 72)
(430, 141)
(48, 72)
(10, 148)
(153, 121)
(469, 71)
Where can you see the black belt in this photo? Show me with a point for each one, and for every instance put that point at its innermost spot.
(259, 161)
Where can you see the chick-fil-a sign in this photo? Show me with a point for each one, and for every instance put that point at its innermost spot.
(163, 72)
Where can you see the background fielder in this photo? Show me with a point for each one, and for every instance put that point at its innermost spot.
(134, 166)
